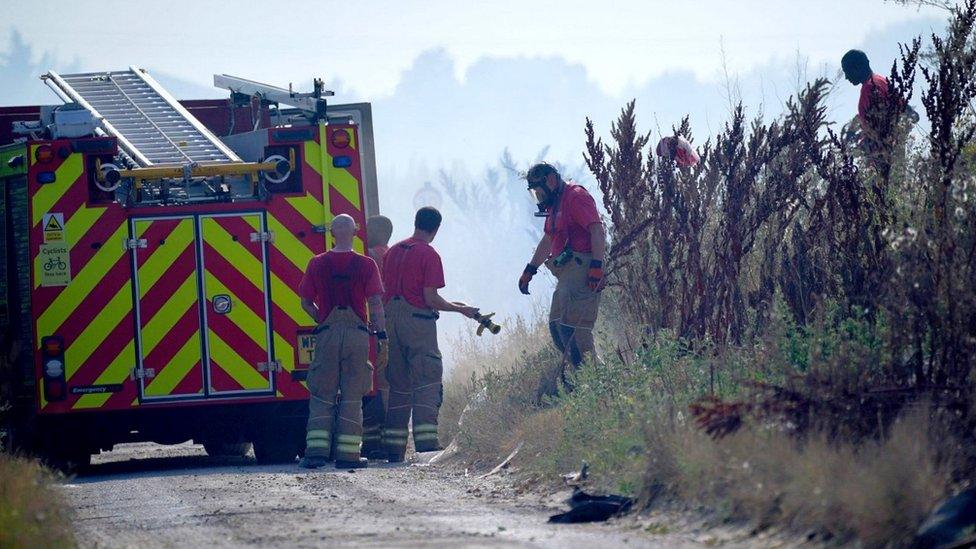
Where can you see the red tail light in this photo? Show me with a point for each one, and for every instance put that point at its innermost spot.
(52, 368)
(54, 390)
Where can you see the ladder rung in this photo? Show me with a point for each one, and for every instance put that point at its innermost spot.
(150, 123)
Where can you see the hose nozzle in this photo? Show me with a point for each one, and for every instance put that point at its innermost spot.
(485, 323)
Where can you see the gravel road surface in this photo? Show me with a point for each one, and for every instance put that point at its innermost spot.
(166, 496)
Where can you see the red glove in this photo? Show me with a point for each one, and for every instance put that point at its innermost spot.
(594, 279)
(527, 274)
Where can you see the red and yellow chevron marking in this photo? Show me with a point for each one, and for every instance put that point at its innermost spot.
(94, 312)
(238, 340)
(169, 320)
(342, 191)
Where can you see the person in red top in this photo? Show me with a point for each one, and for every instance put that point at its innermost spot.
(572, 246)
(335, 291)
(379, 229)
(412, 276)
(874, 87)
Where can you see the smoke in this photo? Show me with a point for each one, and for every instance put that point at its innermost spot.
(467, 137)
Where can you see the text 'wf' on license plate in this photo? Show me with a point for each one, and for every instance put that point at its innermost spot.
(306, 348)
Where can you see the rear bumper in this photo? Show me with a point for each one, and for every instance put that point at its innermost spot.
(226, 422)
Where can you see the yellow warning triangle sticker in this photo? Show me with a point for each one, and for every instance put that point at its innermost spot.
(53, 225)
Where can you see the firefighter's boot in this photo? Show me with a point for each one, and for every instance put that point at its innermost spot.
(426, 404)
(374, 413)
(360, 463)
(313, 462)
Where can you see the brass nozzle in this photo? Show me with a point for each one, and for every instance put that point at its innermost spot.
(485, 323)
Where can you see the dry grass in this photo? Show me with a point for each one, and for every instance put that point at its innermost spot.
(630, 422)
(31, 514)
(876, 492)
(480, 361)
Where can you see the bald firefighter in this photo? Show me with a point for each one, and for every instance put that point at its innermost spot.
(412, 276)
(379, 229)
(335, 291)
(572, 248)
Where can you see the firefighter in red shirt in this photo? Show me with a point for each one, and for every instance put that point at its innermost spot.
(379, 229)
(882, 137)
(335, 290)
(412, 274)
(572, 246)
(874, 89)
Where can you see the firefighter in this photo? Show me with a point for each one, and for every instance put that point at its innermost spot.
(335, 291)
(412, 274)
(884, 126)
(572, 248)
(379, 229)
(874, 87)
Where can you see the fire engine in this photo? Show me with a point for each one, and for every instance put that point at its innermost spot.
(152, 251)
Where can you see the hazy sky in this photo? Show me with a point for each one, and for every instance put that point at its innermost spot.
(368, 45)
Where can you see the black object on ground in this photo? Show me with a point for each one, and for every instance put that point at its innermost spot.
(589, 508)
(950, 523)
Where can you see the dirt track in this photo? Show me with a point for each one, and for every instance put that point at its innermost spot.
(147, 495)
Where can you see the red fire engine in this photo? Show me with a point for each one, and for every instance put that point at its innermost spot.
(152, 251)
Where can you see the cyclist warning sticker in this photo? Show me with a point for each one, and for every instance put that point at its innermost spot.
(55, 266)
(53, 224)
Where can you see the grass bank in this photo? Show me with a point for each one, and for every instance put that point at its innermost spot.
(630, 418)
(31, 513)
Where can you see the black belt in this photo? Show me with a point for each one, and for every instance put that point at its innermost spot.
(323, 327)
(435, 316)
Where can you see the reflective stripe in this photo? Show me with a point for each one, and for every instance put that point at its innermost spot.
(425, 428)
(347, 448)
(317, 433)
(423, 437)
(402, 432)
(315, 443)
(349, 439)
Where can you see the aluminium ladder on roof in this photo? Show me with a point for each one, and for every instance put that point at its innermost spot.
(151, 126)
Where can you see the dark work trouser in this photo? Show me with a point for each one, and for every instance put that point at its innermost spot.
(414, 373)
(340, 369)
(574, 310)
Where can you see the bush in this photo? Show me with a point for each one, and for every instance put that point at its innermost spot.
(787, 215)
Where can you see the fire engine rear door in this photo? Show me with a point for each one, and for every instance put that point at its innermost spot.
(235, 288)
(167, 308)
